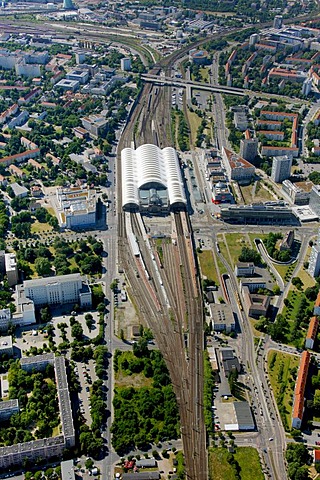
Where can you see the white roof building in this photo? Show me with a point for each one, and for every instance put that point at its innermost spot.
(151, 177)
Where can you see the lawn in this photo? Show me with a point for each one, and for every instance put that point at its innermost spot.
(252, 236)
(246, 193)
(284, 270)
(281, 366)
(38, 227)
(221, 266)
(235, 243)
(194, 122)
(208, 267)
(204, 72)
(219, 469)
(223, 248)
(246, 457)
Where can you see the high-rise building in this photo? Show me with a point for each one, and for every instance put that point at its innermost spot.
(314, 202)
(68, 5)
(281, 168)
(125, 64)
(254, 38)
(249, 148)
(314, 259)
(277, 22)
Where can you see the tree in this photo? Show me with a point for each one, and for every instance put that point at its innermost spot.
(45, 315)
(297, 282)
(43, 267)
(276, 290)
(89, 463)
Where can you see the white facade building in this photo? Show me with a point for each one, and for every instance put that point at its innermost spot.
(59, 290)
(125, 64)
(281, 168)
(151, 178)
(77, 207)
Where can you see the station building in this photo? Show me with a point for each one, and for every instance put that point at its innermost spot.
(151, 180)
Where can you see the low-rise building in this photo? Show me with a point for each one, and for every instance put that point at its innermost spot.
(222, 318)
(243, 269)
(255, 305)
(67, 470)
(16, 171)
(19, 191)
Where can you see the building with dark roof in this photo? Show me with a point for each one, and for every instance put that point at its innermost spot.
(141, 476)
(244, 416)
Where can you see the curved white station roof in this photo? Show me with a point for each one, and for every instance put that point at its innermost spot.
(148, 164)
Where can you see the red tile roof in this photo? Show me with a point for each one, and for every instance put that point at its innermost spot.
(313, 328)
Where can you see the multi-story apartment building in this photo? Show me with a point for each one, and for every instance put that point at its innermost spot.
(8, 408)
(281, 168)
(46, 447)
(237, 168)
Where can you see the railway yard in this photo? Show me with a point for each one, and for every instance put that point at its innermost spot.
(168, 298)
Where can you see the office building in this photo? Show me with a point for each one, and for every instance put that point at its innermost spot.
(222, 318)
(255, 305)
(67, 84)
(58, 290)
(79, 75)
(281, 168)
(298, 193)
(77, 207)
(243, 269)
(314, 202)
(259, 214)
(94, 124)
(314, 259)
(249, 148)
(125, 64)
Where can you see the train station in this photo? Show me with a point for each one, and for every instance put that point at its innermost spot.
(151, 180)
